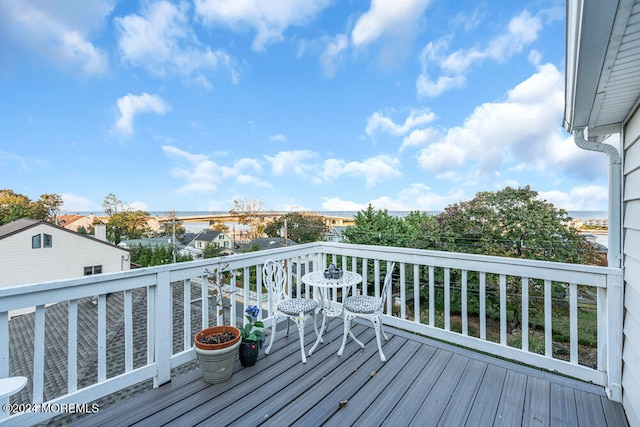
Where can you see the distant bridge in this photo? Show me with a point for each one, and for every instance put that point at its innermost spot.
(262, 217)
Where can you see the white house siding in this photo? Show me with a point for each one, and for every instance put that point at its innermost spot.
(631, 250)
(66, 258)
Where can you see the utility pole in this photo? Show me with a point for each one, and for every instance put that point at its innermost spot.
(174, 237)
(285, 232)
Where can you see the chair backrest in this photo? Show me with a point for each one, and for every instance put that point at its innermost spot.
(273, 278)
(387, 284)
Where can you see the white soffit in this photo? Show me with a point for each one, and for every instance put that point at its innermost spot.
(603, 64)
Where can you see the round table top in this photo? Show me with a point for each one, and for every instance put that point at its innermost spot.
(316, 278)
(11, 385)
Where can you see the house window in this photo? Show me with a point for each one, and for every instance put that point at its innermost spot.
(48, 241)
(94, 269)
(226, 244)
(36, 242)
(221, 236)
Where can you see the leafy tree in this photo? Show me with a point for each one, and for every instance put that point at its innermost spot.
(147, 255)
(249, 212)
(14, 206)
(167, 226)
(51, 204)
(377, 227)
(112, 204)
(211, 250)
(127, 225)
(512, 223)
(300, 228)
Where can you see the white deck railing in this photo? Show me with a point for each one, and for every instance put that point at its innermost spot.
(429, 287)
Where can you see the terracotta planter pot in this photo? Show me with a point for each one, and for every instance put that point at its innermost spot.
(215, 330)
(216, 360)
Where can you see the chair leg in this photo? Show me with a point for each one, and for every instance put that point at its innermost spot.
(287, 333)
(300, 322)
(347, 330)
(376, 327)
(273, 335)
(383, 334)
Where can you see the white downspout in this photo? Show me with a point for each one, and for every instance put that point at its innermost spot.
(614, 252)
(613, 308)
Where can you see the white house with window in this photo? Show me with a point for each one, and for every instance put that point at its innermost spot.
(34, 251)
(215, 238)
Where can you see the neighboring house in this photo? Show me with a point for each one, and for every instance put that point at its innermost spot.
(336, 234)
(603, 98)
(164, 242)
(37, 251)
(74, 222)
(217, 238)
(263, 243)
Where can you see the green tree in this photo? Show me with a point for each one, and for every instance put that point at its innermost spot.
(147, 255)
(51, 204)
(300, 228)
(377, 227)
(512, 223)
(14, 206)
(168, 225)
(127, 225)
(211, 250)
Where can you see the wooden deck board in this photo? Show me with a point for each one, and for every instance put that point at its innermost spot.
(563, 405)
(537, 405)
(423, 382)
(457, 411)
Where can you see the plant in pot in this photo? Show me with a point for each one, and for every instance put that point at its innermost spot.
(252, 337)
(217, 347)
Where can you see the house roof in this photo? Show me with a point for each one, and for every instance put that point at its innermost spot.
(207, 236)
(270, 243)
(68, 219)
(23, 224)
(166, 242)
(602, 62)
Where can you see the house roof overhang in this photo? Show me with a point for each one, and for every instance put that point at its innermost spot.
(602, 62)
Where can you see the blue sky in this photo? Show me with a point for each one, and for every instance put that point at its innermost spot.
(314, 105)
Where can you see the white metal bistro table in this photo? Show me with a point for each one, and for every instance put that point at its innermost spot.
(323, 286)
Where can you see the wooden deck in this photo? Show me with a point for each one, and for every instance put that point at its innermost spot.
(423, 382)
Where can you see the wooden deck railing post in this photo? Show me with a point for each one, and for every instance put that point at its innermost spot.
(163, 333)
(614, 334)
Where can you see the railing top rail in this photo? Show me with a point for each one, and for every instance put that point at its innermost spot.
(60, 290)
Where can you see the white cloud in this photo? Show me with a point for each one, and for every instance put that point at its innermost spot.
(161, 41)
(333, 54)
(141, 206)
(415, 197)
(521, 31)
(523, 129)
(278, 138)
(270, 19)
(58, 31)
(74, 203)
(375, 169)
(204, 175)
(388, 17)
(290, 161)
(378, 122)
(337, 204)
(253, 181)
(582, 198)
(130, 105)
(419, 137)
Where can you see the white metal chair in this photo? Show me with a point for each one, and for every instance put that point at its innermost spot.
(298, 309)
(367, 307)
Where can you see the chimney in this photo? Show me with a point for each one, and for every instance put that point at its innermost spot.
(100, 232)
